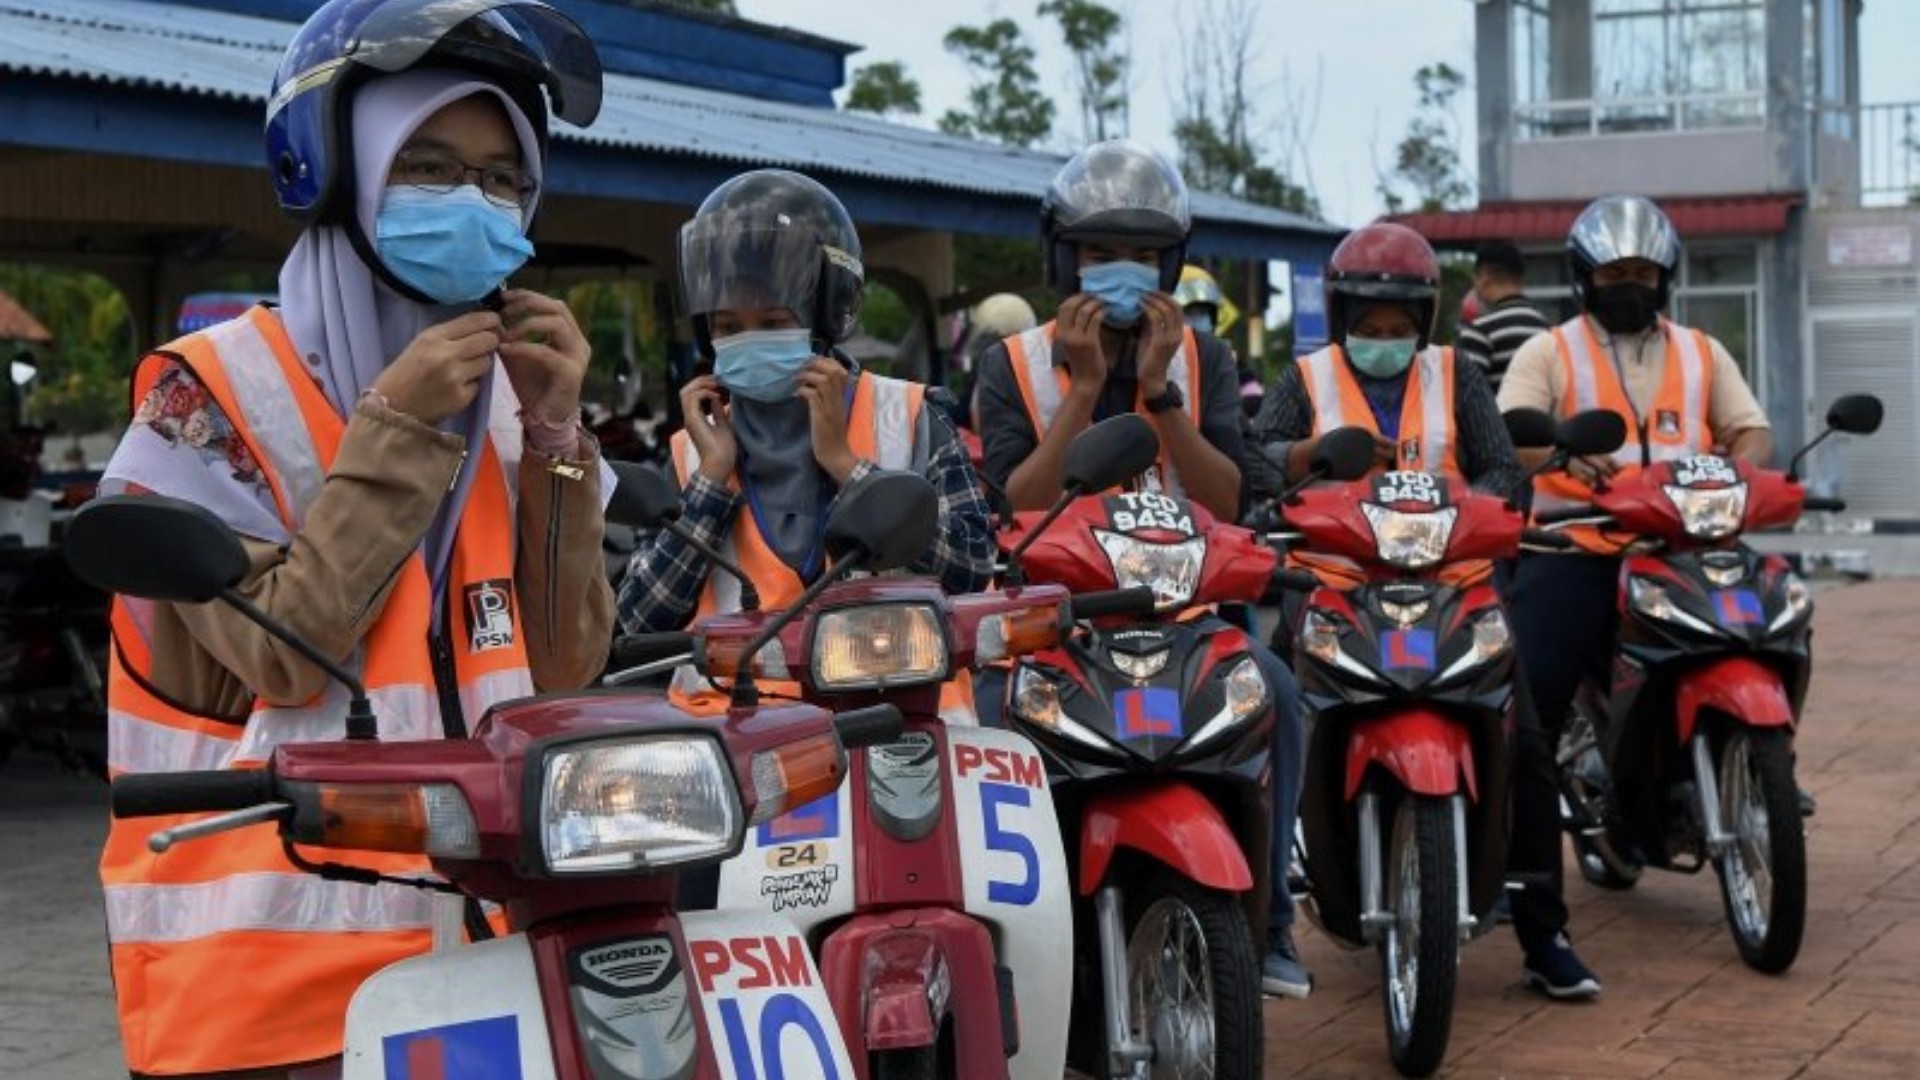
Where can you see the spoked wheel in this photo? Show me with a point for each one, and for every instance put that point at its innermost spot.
(1196, 981)
(1587, 787)
(1763, 874)
(1420, 950)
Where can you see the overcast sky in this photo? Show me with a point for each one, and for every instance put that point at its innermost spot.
(1355, 57)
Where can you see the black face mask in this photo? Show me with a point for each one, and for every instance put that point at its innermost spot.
(1624, 309)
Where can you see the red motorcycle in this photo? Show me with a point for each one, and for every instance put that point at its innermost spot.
(1409, 679)
(576, 813)
(1155, 727)
(933, 886)
(1687, 757)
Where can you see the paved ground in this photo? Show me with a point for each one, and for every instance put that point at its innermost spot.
(1678, 1003)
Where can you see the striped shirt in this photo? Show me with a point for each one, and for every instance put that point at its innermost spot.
(1493, 338)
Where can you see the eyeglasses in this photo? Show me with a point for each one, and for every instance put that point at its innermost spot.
(441, 172)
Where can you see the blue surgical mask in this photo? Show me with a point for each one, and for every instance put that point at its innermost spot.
(1201, 321)
(1120, 285)
(1381, 358)
(762, 364)
(454, 247)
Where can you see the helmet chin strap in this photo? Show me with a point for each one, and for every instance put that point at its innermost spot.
(363, 247)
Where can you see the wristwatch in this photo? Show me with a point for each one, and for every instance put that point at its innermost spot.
(1170, 398)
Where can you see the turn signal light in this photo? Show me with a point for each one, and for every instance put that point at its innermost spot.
(423, 819)
(1017, 633)
(795, 774)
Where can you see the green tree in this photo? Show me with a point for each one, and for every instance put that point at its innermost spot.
(1101, 62)
(884, 89)
(1008, 106)
(1427, 159)
(82, 382)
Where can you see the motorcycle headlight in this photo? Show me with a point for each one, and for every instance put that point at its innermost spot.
(1411, 541)
(1320, 638)
(1709, 514)
(879, 645)
(625, 804)
(1172, 571)
(1247, 694)
(1036, 700)
(1491, 640)
(1651, 599)
(1799, 604)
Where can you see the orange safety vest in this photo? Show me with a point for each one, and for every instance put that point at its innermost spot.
(882, 426)
(1428, 442)
(231, 906)
(1044, 384)
(1676, 424)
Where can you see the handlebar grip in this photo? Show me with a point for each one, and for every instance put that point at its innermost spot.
(1818, 502)
(633, 650)
(1567, 513)
(1292, 580)
(155, 794)
(874, 725)
(1542, 538)
(1135, 601)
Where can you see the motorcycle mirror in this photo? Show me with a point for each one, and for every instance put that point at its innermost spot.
(185, 554)
(1596, 431)
(1530, 429)
(1342, 454)
(644, 497)
(889, 517)
(1856, 414)
(1110, 453)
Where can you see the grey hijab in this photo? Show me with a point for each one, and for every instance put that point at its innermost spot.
(788, 490)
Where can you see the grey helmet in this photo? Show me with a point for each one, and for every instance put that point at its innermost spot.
(1621, 227)
(1117, 191)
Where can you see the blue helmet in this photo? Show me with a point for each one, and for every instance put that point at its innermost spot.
(519, 46)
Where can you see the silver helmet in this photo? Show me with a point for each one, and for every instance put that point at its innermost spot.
(1621, 227)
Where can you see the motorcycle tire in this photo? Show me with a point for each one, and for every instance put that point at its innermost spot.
(1173, 921)
(1601, 866)
(1420, 951)
(920, 1063)
(1584, 783)
(1763, 875)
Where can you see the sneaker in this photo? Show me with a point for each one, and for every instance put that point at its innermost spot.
(1282, 974)
(1555, 971)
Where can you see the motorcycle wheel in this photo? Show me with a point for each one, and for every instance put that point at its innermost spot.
(920, 1063)
(1585, 783)
(1420, 950)
(1196, 981)
(1763, 875)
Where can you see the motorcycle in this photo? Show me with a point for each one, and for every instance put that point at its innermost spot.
(53, 648)
(932, 885)
(1155, 732)
(1686, 758)
(576, 813)
(1409, 678)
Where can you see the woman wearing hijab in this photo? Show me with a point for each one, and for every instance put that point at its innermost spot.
(770, 273)
(407, 473)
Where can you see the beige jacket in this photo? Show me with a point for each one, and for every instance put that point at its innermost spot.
(330, 583)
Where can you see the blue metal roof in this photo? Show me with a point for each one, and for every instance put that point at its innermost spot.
(135, 44)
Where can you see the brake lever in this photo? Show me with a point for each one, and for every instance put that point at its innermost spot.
(635, 674)
(219, 823)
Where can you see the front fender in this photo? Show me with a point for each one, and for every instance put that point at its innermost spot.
(1739, 686)
(1168, 821)
(896, 978)
(1429, 752)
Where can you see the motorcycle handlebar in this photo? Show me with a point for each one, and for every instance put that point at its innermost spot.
(156, 794)
(1568, 513)
(1135, 601)
(633, 650)
(874, 725)
(1543, 538)
(1818, 502)
(1293, 580)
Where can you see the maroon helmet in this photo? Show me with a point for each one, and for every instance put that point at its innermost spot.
(1383, 262)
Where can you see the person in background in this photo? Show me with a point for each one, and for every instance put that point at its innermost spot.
(1681, 394)
(405, 468)
(770, 274)
(1507, 319)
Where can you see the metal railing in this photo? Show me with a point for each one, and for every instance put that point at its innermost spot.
(1570, 118)
(1883, 167)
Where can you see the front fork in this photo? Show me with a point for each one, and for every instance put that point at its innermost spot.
(1706, 782)
(1127, 1051)
(1375, 919)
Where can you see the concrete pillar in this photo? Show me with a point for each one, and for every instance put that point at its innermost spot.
(1493, 91)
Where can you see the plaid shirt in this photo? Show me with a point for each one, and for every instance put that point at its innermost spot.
(663, 582)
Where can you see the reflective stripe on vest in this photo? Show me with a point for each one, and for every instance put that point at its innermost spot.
(1043, 387)
(1426, 413)
(1676, 423)
(882, 427)
(186, 918)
